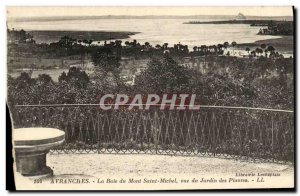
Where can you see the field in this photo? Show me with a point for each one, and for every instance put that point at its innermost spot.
(39, 63)
(284, 44)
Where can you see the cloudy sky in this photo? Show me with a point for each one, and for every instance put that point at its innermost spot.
(140, 11)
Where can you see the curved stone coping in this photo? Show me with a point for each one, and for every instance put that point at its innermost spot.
(37, 148)
(37, 136)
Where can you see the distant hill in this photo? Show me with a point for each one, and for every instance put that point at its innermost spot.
(213, 17)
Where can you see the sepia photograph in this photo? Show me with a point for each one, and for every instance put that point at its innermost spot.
(151, 98)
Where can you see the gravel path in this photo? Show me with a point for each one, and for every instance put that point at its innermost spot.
(146, 171)
(142, 165)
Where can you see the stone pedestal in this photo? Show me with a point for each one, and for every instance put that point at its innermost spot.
(31, 146)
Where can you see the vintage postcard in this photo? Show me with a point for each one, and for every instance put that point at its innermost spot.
(151, 98)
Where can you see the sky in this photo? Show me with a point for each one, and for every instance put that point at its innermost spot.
(140, 11)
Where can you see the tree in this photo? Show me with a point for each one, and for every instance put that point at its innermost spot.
(163, 76)
(266, 53)
(66, 41)
(203, 48)
(195, 48)
(127, 43)
(226, 44)
(158, 46)
(259, 51)
(165, 46)
(76, 77)
(233, 45)
(104, 59)
(263, 47)
(107, 62)
(85, 41)
(62, 77)
(134, 43)
(270, 49)
(44, 79)
(248, 50)
(215, 48)
(24, 80)
(220, 48)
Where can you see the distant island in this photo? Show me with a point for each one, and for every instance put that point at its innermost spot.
(241, 16)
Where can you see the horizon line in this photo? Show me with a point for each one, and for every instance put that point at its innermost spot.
(213, 15)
